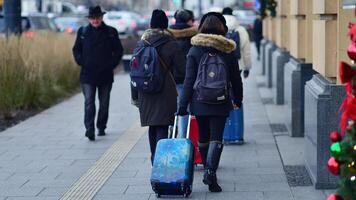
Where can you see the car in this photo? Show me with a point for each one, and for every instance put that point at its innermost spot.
(126, 22)
(70, 24)
(31, 24)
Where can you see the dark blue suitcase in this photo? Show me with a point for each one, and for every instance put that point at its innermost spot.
(234, 127)
(173, 166)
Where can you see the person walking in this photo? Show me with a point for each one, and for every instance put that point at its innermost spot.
(211, 71)
(98, 51)
(183, 31)
(257, 33)
(244, 43)
(157, 109)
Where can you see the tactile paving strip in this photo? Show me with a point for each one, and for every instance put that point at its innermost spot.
(91, 182)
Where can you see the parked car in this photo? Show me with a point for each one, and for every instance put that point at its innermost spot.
(246, 19)
(126, 22)
(69, 24)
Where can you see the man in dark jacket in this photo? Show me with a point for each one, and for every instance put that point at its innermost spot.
(98, 51)
(183, 31)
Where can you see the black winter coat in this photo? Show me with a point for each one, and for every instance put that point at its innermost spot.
(98, 51)
(158, 109)
(203, 43)
(183, 34)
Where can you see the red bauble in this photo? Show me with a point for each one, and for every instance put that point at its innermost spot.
(335, 136)
(346, 72)
(351, 51)
(333, 166)
(334, 197)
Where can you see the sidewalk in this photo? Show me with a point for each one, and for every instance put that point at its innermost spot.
(47, 156)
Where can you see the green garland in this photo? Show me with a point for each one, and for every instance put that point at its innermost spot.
(270, 5)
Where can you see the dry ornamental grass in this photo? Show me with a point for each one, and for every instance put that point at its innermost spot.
(36, 72)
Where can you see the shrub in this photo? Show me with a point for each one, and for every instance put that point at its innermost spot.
(36, 72)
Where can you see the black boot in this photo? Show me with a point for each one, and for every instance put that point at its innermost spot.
(212, 163)
(203, 150)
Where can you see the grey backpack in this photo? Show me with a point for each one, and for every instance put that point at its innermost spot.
(211, 85)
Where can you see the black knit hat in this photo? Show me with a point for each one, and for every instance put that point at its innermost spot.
(216, 14)
(159, 19)
(182, 16)
(227, 11)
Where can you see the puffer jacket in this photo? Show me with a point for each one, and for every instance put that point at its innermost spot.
(233, 24)
(203, 43)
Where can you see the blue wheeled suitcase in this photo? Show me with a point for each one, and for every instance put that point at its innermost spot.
(173, 166)
(234, 127)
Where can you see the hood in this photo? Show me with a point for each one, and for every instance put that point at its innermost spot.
(231, 22)
(218, 42)
(151, 33)
(182, 33)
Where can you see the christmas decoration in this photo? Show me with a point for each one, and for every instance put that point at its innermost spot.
(270, 5)
(335, 150)
(343, 148)
(333, 166)
(334, 197)
(335, 137)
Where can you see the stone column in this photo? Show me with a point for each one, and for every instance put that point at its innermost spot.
(323, 99)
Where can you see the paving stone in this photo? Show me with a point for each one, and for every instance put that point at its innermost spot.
(123, 197)
(32, 198)
(139, 189)
(53, 192)
(110, 190)
(262, 187)
(235, 195)
(277, 195)
(23, 191)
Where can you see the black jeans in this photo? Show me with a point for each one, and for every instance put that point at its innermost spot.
(89, 92)
(211, 128)
(258, 44)
(155, 133)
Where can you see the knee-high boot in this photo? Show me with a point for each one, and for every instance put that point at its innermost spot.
(203, 150)
(212, 163)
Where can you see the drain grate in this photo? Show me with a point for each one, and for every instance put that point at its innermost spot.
(278, 128)
(267, 100)
(297, 175)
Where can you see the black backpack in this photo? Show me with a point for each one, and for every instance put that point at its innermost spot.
(235, 36)
(211, 85)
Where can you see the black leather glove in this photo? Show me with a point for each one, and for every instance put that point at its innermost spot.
(246, 73)
(182, 111)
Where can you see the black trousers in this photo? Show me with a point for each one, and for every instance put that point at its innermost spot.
(258, 44)
(155, 133)
(211, 128)
(89, 92)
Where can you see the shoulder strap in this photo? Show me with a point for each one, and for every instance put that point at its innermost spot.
(84, 31)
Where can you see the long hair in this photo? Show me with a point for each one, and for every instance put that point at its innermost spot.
(212, 25)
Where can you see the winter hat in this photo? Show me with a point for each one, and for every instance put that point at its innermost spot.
(182, 16)
(227, 11)
(216, 14)
(159, 19)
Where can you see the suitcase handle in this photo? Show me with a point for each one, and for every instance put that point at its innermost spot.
(175, 126)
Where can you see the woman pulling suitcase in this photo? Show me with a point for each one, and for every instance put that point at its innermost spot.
(211, 73)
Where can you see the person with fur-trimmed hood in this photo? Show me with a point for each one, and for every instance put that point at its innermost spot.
(157, 110)
(183, 31)
(211, 118)
(245, 48)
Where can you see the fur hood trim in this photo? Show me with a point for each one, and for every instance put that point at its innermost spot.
(218, 42)
(150, 33)
(181, 33)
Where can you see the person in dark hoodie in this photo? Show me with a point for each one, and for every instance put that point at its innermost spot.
(183, 31)
(157, 110)
(98, 51)
(211, 118)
